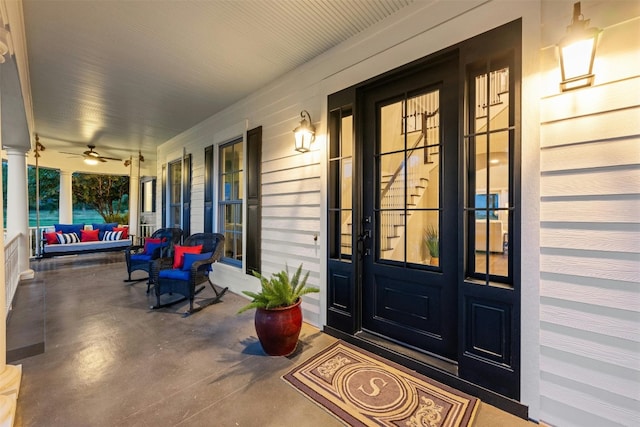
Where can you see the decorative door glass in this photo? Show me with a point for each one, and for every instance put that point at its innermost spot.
(490, 179)
(341, 184)
(408, 179)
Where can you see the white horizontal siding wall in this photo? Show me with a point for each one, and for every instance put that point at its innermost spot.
(294, 184)
(590, 231)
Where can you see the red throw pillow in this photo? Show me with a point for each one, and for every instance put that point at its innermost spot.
(52, 239)
(125, 232)
(89, 235)
(179, 251)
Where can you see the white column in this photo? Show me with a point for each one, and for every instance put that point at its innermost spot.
(134, 198)
(65, 204)
(10, 375)
(18, 209)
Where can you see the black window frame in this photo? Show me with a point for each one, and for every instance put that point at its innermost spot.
(222, 204)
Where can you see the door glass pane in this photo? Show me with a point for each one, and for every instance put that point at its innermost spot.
(481, 161)
(489, 200)
(391, 128)
(346, 231)
(499, 245)
(392, 179)
(341, 221)
(346, 136)
(481, 245)
(423, 177)
(392, 234)
(335, 242)
(499, 163)
(423, 246)
(481, 103)
(409, 179)
(347, 183)
(499, 99)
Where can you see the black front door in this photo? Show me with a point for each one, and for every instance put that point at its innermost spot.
(423, 211)
(409, 152)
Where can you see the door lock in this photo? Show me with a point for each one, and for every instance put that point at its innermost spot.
(366, 234)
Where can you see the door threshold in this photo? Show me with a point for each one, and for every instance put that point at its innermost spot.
(438, 362)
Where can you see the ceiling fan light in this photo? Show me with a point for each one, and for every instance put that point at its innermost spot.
(91, 161)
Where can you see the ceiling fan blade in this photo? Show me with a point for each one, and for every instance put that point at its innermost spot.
(110, 158)
(73, 154)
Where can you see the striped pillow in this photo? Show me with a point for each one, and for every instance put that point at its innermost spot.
(67, 238)
(112, 235)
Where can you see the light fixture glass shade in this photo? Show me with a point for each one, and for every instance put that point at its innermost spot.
(305, 133)
(90, 161)
(577, 52)
(303, 140)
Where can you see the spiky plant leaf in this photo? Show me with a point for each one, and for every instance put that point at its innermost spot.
(281, 290)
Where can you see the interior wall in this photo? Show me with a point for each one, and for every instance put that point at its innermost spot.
(293, 187)
(590, 227)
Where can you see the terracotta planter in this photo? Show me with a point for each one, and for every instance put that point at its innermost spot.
(278, 329)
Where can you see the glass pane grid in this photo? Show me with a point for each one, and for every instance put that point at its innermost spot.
(407, 202)
(230, 203)
(489, 140)
(340, 185)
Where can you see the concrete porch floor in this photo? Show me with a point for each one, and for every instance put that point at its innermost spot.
(93, 354)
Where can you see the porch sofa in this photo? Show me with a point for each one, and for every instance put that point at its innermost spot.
(89, 238)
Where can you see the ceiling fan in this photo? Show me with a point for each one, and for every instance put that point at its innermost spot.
(92, 157)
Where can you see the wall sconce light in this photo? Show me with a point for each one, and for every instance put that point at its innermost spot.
(305, 133)
(577, 52)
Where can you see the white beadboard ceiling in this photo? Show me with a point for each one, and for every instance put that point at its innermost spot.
(129, 75)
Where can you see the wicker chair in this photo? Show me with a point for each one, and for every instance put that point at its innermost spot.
(137, 259)
(195, 270)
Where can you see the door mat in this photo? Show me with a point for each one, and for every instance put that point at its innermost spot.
(363, 389)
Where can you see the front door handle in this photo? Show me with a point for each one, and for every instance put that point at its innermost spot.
(362, 251)
(366, 234)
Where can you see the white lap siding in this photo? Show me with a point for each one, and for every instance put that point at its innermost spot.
(590, 244)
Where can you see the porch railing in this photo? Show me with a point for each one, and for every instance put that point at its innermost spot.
(11, 270)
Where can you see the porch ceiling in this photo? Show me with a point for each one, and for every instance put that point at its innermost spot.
(129, 75)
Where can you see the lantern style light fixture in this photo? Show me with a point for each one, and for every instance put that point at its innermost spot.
(305, 133)
(577, 52)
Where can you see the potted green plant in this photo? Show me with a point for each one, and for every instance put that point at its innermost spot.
(278, 317)
(432, 240)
